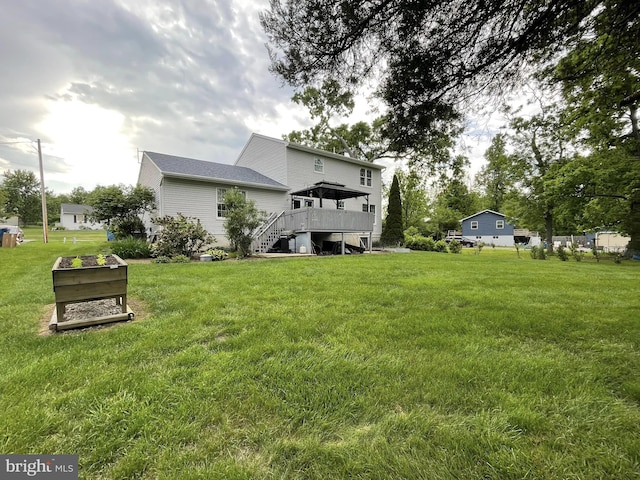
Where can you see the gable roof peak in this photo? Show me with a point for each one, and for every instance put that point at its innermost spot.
(484, 211)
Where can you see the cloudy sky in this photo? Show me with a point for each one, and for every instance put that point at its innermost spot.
(97, 81)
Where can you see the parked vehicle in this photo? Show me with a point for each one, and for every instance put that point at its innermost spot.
(465, 241)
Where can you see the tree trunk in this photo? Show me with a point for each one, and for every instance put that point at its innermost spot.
(548, 225)
(634, 224)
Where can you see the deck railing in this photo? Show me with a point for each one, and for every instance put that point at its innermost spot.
(328, 220)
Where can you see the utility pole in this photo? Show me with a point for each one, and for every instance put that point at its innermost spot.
(45, 233)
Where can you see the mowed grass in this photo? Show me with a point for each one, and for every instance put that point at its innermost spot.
(421, 365)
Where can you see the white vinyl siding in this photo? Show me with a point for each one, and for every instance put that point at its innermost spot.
(199, 200)
(266, 156)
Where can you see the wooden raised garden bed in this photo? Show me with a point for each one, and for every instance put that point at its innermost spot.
(76, 284)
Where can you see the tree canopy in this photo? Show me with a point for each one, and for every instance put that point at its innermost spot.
(121, 206)
(429, 56)
(21, 196)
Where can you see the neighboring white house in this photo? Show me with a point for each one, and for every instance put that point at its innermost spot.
(76, 217)
(312, 197)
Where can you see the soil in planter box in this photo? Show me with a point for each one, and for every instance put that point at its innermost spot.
(87, 261)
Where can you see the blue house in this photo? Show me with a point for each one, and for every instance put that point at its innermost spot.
(488, 227)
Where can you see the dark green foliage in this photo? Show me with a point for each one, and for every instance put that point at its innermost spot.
(577, 254)
(562, 253)
(418, 242)
(21, 196)
(538, 253)
(441, 246)
(455, 246)
(121, 207)
(392, 233)
(180, 235)
(430, 55)
(242, 219)
(131, 248)
(129, 226)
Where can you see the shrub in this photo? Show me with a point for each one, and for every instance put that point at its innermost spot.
(538, 253)
(562, 254)
(162, 259)
(418, 242)
(441, 246)
(217, 254)
(180, 235)
(575, 251)
(479, 246)
(242, 219)
(129, 226)
(180, 259)
(131, 248)
(455, 246)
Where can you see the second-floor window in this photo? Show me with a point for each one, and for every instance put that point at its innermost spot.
(365, 177)
(474, 225)
(499, 224)
(318, 165)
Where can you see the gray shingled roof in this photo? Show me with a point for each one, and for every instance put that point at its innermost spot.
(199, 169)
(75, 209)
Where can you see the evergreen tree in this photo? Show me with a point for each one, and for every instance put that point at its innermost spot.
(392, 233)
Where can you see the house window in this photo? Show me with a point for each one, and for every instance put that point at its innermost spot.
(365, 177)
(221, 207)
(78, 218)
(308, 203)
(372, 209)
(296, 203)
(365, 207)
(340, 204)
(474, 225)
(318, 165)
(499, 224)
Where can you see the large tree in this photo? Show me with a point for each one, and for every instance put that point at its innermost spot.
(600, 79)
(541, 149)
(413, 197)
(121, 207)
(431, 56)
(497, 177)
(328, 105)
(22, 196)
(392, 232)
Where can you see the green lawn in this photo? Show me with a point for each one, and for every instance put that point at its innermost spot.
(418, 365)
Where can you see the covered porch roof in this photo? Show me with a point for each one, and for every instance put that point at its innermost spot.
(329, 190)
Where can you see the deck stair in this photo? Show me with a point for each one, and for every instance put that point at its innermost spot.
(267, 234)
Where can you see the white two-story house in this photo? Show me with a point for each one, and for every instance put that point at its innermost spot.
(313, 198)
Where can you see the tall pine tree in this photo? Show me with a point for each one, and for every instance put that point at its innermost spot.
(392, 233)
